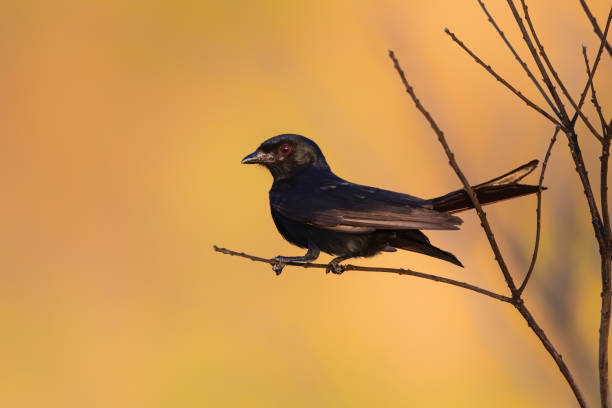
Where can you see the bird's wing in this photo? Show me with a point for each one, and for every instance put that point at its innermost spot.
(349, 207)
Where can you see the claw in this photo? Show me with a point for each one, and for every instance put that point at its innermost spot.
(278, 267)
(335, 268)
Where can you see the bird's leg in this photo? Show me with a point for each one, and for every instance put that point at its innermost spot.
(311, 255)
(334, 265)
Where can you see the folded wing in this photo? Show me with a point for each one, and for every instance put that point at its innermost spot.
(354, 208)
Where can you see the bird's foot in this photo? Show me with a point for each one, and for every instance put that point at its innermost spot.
(278, 267)
(335, 268)
(285, 259)
(281, 262)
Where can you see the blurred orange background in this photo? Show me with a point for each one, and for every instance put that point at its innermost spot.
(123, 124)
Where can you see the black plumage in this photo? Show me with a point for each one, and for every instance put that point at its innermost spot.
(315, 209)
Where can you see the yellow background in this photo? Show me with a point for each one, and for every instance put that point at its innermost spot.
(122, 126)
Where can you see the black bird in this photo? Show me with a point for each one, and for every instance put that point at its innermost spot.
(315, 209)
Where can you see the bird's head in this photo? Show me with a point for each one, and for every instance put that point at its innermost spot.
(284, 154)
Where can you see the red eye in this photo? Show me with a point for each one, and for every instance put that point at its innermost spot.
(284, 149)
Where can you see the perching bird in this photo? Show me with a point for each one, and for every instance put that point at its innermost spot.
(315, 209)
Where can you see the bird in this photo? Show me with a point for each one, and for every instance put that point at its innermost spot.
(316, 210)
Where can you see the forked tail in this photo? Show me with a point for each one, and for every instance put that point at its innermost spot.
(497, 189)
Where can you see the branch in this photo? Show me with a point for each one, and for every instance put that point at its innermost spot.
(502, 80)
(594, 94)
(606, 284)
(552, 351)
(554, 72)
(604, 330)
(596, 28)
(518, 58)
(536, 247)
(536, 58)
(464, 181)
(605, 156)
(348, 267)
(577, 154)
(602, 232)
(595, 64)
(516, 298)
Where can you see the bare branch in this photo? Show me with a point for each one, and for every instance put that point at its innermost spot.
(518, 58)
(502, 80)
(554, 72)
(595, 64)
(520, 306)
(596, 28)
(602, 233)
(577, 153)
(605, 156)
(348, 267)
(604, 328)
(606, 284)
(464, 181)
(538, 61)
(594, 94)
(516, 298)
(536, 247)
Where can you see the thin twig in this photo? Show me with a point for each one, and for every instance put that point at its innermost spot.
(576, 152)
(551, 88)
(518, 58)
(552, 351)
(516, 298)
(595, 64)
(536, 246)
(606, 284)
(464, 181)
(601, 232)
(349, 267)
(594, 94)
(554, 72)
(596, 28)
(604, 329)
(605, 156)
(502, 80)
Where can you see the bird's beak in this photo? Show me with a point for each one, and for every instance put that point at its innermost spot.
(258, 157)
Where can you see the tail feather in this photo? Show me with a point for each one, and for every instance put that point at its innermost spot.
(500, 188)
(416, 241)
(513, 176)
(497, 189)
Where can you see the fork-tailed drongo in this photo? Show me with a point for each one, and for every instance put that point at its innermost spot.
(315, 209)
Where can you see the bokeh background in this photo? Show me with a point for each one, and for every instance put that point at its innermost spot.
(122, 126)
